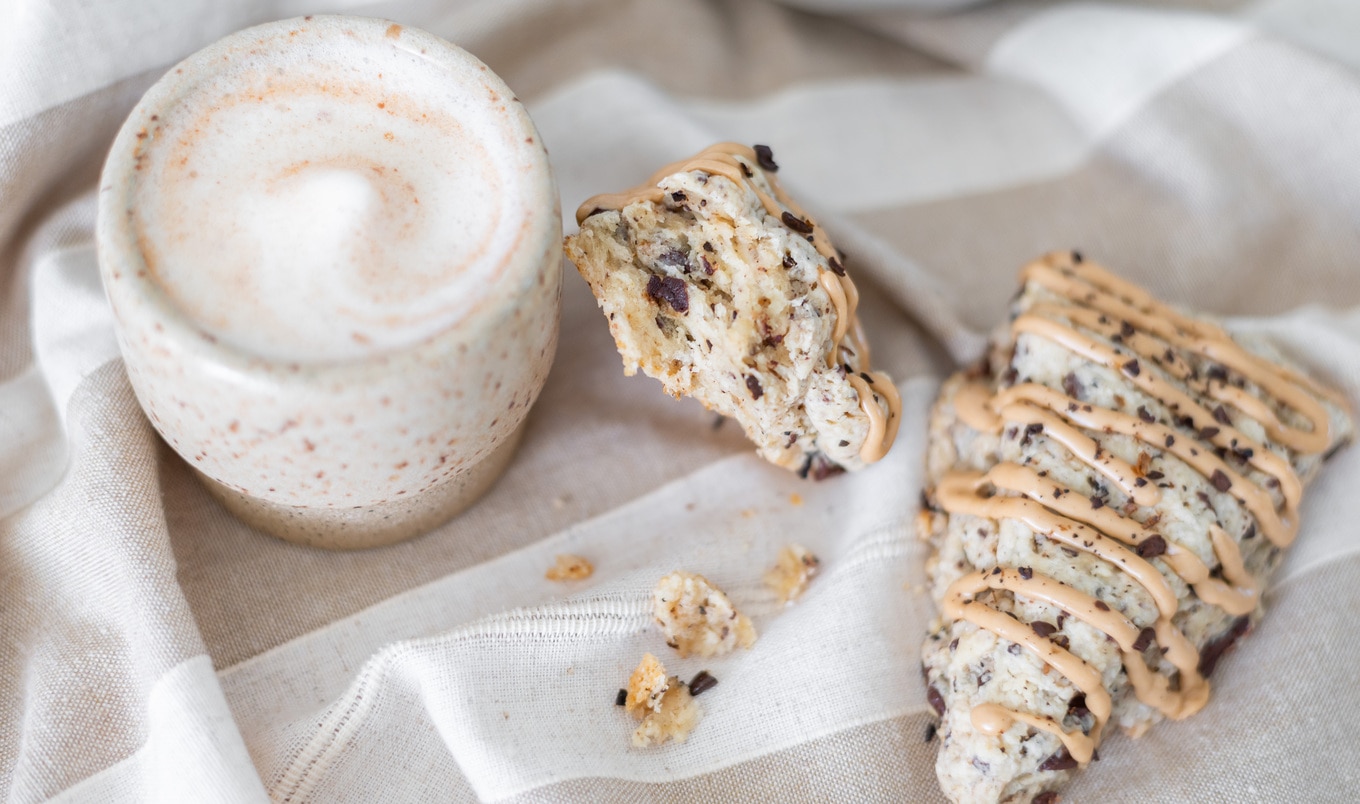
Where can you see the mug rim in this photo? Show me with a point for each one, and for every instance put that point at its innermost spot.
(116, 240)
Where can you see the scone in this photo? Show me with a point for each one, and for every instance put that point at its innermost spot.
(715, 283)
(1108, 494)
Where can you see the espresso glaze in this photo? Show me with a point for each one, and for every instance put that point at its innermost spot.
(737, 163)
(1147, 337)
(992, 719)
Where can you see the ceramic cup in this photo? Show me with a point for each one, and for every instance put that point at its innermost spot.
(331, 245)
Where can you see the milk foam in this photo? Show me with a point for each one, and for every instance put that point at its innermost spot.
(303, 206)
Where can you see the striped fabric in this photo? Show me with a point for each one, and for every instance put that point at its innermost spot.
(154, 649)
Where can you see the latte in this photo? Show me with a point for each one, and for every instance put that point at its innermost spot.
(331, 245)
(326, 195)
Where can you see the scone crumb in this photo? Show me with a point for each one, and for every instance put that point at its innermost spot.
(647, 686)
(674, 721)
(663, 703)
(697, 618)
(792, 571)
(570, 568)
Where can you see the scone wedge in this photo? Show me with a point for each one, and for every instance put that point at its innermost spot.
(717, 284)
(1107, 496)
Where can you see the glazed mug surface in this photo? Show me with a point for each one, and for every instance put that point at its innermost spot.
(331, 245)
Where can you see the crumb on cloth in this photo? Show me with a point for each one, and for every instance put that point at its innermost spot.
(792, 572)
(662, 702)
(570, 568)
(697, 618)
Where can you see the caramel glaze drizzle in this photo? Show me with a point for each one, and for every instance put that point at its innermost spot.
(722, 160)
(1149, 333)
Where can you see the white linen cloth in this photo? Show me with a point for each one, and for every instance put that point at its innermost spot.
(152, 648)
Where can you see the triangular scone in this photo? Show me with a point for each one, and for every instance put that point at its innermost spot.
(1107, 496)
(715, 283)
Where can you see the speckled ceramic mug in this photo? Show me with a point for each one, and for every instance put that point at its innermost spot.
(331, 245)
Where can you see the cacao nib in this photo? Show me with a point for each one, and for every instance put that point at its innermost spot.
(702, 683)
(796, 223)
(936, 700)
(1152, 546)
(765, 158)
(1220, 481)
(1208, 658)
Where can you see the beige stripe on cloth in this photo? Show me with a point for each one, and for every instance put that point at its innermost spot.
(1226, 183)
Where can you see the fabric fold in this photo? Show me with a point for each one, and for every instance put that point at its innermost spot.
(157, 649)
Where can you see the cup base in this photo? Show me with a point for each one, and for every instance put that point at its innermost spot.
(376, 525)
